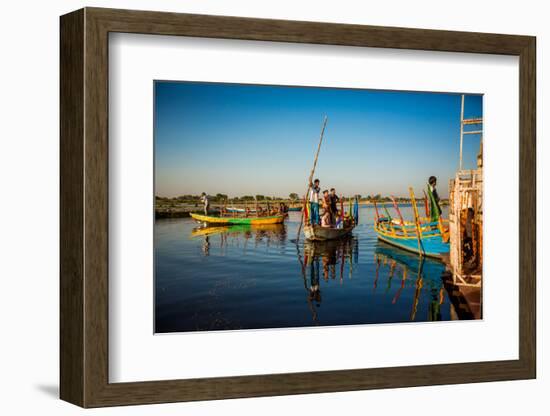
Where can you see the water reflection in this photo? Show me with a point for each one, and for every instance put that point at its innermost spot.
(253, 277)
(423, 273)
(236, 233)
(324, 260)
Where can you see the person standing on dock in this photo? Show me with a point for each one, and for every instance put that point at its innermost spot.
(206, 202)
(432, 181)
(314, 201)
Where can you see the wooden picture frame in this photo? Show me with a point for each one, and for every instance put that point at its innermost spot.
(84, 207)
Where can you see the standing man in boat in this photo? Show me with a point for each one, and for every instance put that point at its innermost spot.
(434, 197)
(206, 202)
(314, 201)
(334, 199)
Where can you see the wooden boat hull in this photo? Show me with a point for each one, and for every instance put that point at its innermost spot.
(297, 209)
(275, 219)
(318, 233)
(433, 247)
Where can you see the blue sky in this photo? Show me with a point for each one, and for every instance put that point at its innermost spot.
(240, 139)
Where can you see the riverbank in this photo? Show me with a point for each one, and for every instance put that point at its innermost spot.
(176, 209)
(170, 208)
(171, 213)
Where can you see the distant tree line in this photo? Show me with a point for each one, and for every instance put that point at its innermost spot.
(293, 197)
(219, 198)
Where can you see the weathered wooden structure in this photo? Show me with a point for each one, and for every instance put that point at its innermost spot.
(466, 213)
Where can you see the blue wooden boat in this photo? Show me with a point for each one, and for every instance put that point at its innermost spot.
(423, 236)
(295, 209)
(431, 242)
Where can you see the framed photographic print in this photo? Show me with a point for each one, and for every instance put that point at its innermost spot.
(256, 207)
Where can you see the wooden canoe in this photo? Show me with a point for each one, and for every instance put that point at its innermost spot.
(431, 242)
(318, 233)
(274, 219)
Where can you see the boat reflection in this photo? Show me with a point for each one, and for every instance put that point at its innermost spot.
(424, 273)
(404, 283)
(324, 260)
(237, 234)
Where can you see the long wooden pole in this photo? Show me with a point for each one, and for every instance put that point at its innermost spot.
(400, 216)
(304, 209)
(376, 210)
(309, 183)
(394, 202)
(461, 129)
(417, 222)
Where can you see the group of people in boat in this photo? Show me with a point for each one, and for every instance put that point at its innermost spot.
(328, 201)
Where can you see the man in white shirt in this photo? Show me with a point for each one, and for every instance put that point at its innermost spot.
(204, 200)
(314, 201)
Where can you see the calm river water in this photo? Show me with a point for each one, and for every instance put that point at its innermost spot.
(226, 278)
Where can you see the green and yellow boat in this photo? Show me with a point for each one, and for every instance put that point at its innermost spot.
(274, 219)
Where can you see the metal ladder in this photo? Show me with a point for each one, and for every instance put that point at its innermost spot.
(470, 122)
